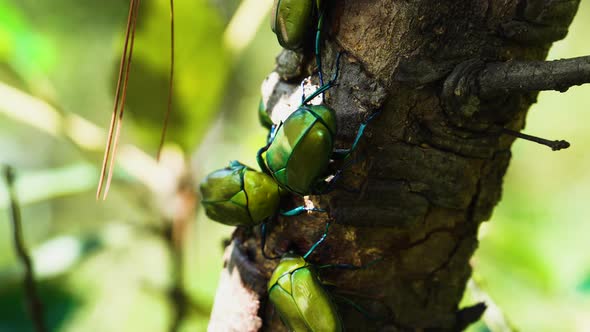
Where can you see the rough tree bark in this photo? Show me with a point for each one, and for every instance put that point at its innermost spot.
(447, 76)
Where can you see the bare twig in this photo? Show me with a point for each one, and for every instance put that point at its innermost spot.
(177, 294)
(554, 145)
(521, 76)
(175, 239)
(33, 302)
(119, 108)
(122, 66)
(172, 231)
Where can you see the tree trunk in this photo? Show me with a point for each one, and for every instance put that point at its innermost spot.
(430, 167)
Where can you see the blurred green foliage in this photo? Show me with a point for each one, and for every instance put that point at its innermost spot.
(533, 258)
(100, 272)
(66, 54)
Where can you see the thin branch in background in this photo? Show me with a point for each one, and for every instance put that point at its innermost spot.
(33, 302)
(122, 107)
(122, 65)
(177, 294)
(175, 238)
(500, 78)
(180, 300)
(172, 231)
(87, 137)
(119, 107)
(554, 145)
(171, 83)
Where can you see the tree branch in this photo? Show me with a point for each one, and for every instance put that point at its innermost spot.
(427, 167)
(475, 87)
(33, 302)
(521, 76)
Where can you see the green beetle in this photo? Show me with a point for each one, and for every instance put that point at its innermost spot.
(241, 196)
(299, 151)
(291, 21)
(298, 295)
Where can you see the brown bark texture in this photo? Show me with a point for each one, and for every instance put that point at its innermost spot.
(429, 169)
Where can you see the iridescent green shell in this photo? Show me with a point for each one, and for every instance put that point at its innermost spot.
(291, 21)
(238, 195)
(300, 152)
(297, 294)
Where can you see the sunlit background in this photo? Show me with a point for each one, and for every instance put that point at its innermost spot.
(110, 266)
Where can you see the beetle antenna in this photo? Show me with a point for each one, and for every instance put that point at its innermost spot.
(554, 145)
(119, 105)
(318, 242)
(336, 71)
(170, 84)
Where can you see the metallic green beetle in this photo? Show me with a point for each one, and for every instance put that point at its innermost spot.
(298, 154)
(291, 21)
(297, 293)
(240, 196)
(300, 151)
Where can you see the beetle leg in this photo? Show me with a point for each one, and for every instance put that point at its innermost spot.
(260, 159)
(337, 70)
(329, 185)
(318, 242)
(349, 266)
(368, 316)
(340, 154)
(271, 134)
(340, 266)
(263, 242)
(299, 210)
(326, 86)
